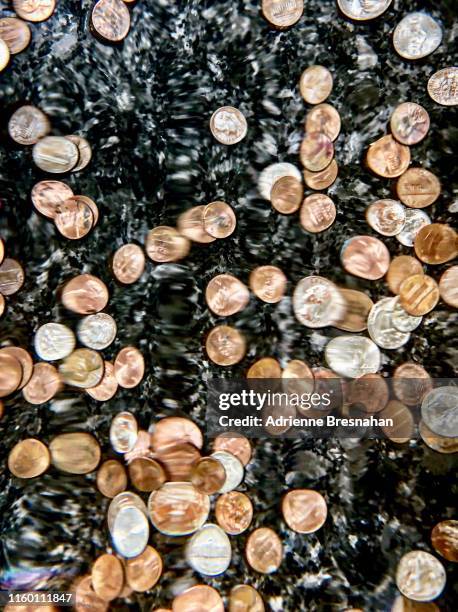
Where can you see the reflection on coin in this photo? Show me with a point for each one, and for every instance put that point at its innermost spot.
(225, 295)
(440, 444)
(352, 356)
(286, 195)
(234, 443)
(178, 508)
(387, 217)
(28, 458)
(401, 267)
(417, 35)
(35, 10)
(54, 341)
(143, 572)
(411, 382)
(198, 598)
(228, 125)
(266, 367)
(268, 283)
(409, 123)
(107, 387)
(272, 173)
(219, 219)
(129, 367)
(264, 550)
(4, 55)
(357, 307)
(439, 411)
(191, 224)
(402, 320)
(420, 576)
(363, 10)
(165, 244)
(85, 294)
(436, 244)
(443, 86)
(44, 384)
(304, 510)
(323, 118)
(83, 368)
(225, 345)
(388, 158)
(444, 538)
(321, 180)
(419, 294)
(128, 263)
(209, 551)
(234, 512)
(318, 212)
(317, 302)
(11, 276)
(111, 19)
(234, 470)
(415, 220)
(448, 286)
(316, 151)
(75, 453)
(402, 428)
(97, 331)
(130, 531)
(111, 478)
(244, 598)
(55, 154)
(84, 151)
(123, 432)
(107, 577)
(418, 188)
(366, 257)
(48, 196)
(381, 328)
(15, 33)
(208, 475)
(28, 124)
(315, 85)
(282, 14)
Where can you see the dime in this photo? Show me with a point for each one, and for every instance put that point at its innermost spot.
(85, 294)
(209, 551)
(352, 356)
(228, 126)
(282, 14)
(444, 538)
(366, 257)
(402, 320)
(107, 577)
(363, 10)
(83, 368)
(448, 286)
(164, 244)
(417, 35)
(84, 151)
(321, 180)
(97, 331)
(264, 550)
(419, 294)
(439, 411)
(74, 219)
(171, 431)
(286, 195)
(304, 510)
(411, 382)
(143, 572)
(409, 123)
(236, 444)
(49, 196)
(178, 508)
(318, 212)
(440, 444)
(208, 475)
(191, 224)
(418, 188)
(43, 385)
(388, 158)
(55, 154)
(436, 244)
(86, 598)
(323, 118)
(129, 367)
(107, 387)
(244, 598)
(128, 263)
(123, 432)
(357, 306)
(4, 55)
(387, 217)
(403, 426)
(297, 377)
(317, 302)
(75, 453)
(369, 392)
(111, 478)
(316, 151)
(111, 19)
(178, 461)
(267, 367)
(415, 220)
(146, 474)
(234, 512)
(233, 468)
(225, 295)
(315, 85)
(268, 283)
(225, 345)
(402, 604)
(54, 341)
(381, 328)
(28, 124)
(34, 10)
(28, 458)
(199, 598)
(443, 86)
(10, 374)
(273, 173)
(420, 576)
(219, 219)
(402, 267)
(15, 33)
(11, 276)
(129, 531)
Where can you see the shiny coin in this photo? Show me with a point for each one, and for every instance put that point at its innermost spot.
(415, 220)
(24, 359)
(10, 374)
(316, 151)
(352, 356)
(234, 512)
(55, 154)
(409, 123)
(111, 478)
(363, 10)
(444, 538)
(107, 577)
(268, 283)
(234, 470)
(165, 244)
(28, 459)
(317, 302)
(54, 341)
(107, 387)
(443, 86)
(83, 368)
(11, 276)
(388, 158)
(387, 217)
(439, 411)
(402, 320)
(420, 576)
(267, 367)
(191, 225)
(418, 188)
(90, 203)
(318, 212)
(244, 598)
(304, 510)
(44, 384)
(130, 531)
(208, 475)
(111, 19)
(74, 219)
(123, 432)
(84, 150)
(440, 444)
(15, 33)
(228, 126)
(264, 550)
(171, 431)
(321, 180)
(369, 392)
(315, 86)
(209, 551)
(97, 331)
(143, 572)
(411, 382)
(225, 295)
(4, 55)
(128, 263)
(85, 294)
(49, 196)
(219, 219)
(366, 257)
(402, 428)
(178, 508)
(127, 499)
(178, 461)
(75, 453)
(402, 267)
(146, 474)
(297, 377)
(129, 367)
(286, 195)
(199, 598)
(273, 173)
(225, 345)
(417, 35)
(357, 307)
(282, 14)
(34, 10)
(28, 124)
(419, 294)
(448, 286)
(381, 328)
(323, 118)
(86, 598)
(236, 444)
(436, 244)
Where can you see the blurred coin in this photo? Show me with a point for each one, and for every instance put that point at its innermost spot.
(436, 244)
(86, 598)
(415, 220)
(315, 85)
(381, 328)
(10, 374)
(55, 154)
(448, 286)
(272, 173)
(130, 531)
(178, 508)
(107, 577)
(225, 345)
(234, 443)
(366, 257)
(304, 510)
(266, 367)
(352, 356)
(208, 475)
(4, 55)
(317, 302)
(417, 35)
(15, 33)
(28, 458)
(402, 320)
(84, 151)
(54, 341)
(2, 304)
(225, 295)
(83, 368)
(178, 461)
(48, 196)
(286, 195)
(234, 512)
(419, 294)
(128, 263)
(219, 219)
(164, 244)
(439, 411)
(444, 538)
(297, 377)
(268, 283)
(107, 387)
(443, 86)
(411, 382)
(11, 276)
(388, 158)
(74, 219)
(440, 444)
(316, 151)
(402, 428)
(209, 551)
(75, 453)
(318, 212)
(234, 470)
(409, 123)
(244, 598)
(198, 598)
(129, 367)
(282, 14)
(401, 267)
(111, 478)
(28, 124)
(34, 10)
(420, 576)
(123, 432)
(146, 474)
(369, 392)
(363, 10)
(85, 294)
(418, 188)
(264, 550)
(24, 359)
(387, 217)
(143, 572)
(97, 331)
(228, 126)
(357, 307)
(323, 118)
(111, 19)
(171, 431)
(191, 224)
(43, 385)
(321, 180)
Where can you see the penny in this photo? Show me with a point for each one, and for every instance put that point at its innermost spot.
(171, 431)
(165, 244)
(85, 294)
(304, 510)
(448, 286)
(316, 151)
(28, 458)
(244, 598)
(264, 550)
(191, 224)
(24, 359)
(83, 368)
(321, 180)
(388, 158)
(111, 478)
(402, 429)
(88, 202)
(273, 173)
(409, 123)
(401, 267)
(315, 85)
(28, 124)
(209, 551)
(128, 264)
(267, 367)
(268, 283)
(49, 196)
(418, 188)
(317, 302)
(402, 604)
(225, 295)
(369, 392)
(357, 306)
(75, 453)
(97, 331)
(141, 447)
(123, 432)
(11, 276)
(129, 531)
(323, 118)
(34, 10)
(225, 345)
(146, 474)
(420, 576)
(402, 320)
(178, 508)
(54, 341)
(366, 257)
(443, 86)
(4, 55)
(234, 512)
(415, 220)
(144, 571)
(436, 244)
(208, 475)
(85, 597)
(363, 10)
(286, 195)
(111, 19)
(444, 538)
(352, 356)
(282, 14)
(387, 217)
(439, 413)
(198, 598)
(74, 219)
(129, 367)
(10, 374)
(43, 385)
(411, 382)
(107, 577)
(233, 468)
(15, 33)
(219, 219)
(107, 387)
(233, 443)
(228, 126)
(381, 328)
(55, 154)
(419, 294)
(440, 444)
(318, 212)
(178, 461)
(417, 35)
(297, 377)
(84, 151)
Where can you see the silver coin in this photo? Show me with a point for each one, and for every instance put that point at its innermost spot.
(363, 10)
(420, 576)
(387, 217)
(28, 124)
(54, 341)
(97, 331)
(123, 432)
(130, 532)
(415, 220)
(381, 328)
(123, 500)
(317, 302)
(402, 320)
(271, 174)
(352, 356)
(439, 411)
(209, 551)
(443, 86)
(417, 35)
(55, 154)
(228, 125)
(234, 470)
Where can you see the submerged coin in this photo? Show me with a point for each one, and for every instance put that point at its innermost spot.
(448, 286)
(316, 151)
(236, 444)
(244, 598)
(439, 411)
(369, 392)
(402, 267)
(85, 294)
(381, 328)
(304, 510)
(387, 157)
(129, 531)
(411, 382)
(198, 598)
(34, 10)
(107, 577)
(409, 123)
(225, 295)
(268, 283)
(443, 86)
(228, 125)
(440, 444)
(49, 196)
(129, 367)
(297, 377)
(420, 576)
(234, 512)
(208, 475)
(107, 387)
(323, 118)
(233, 468)
(75, 453)
(28, 458)
(219, 219)
(318, 212)
(225, 345)
(44, 384)
(415, 220)
(128, 263)
(28, 124)
(286, 195)
(178, 461)
(85, 597)
(444, 538)
(123, 432)
(273, 173)
(352, 356)
(417, 35)
(55, 154)
(418, 188)
(363, 10)
(83, 368)
(266, 367)
(10, 374)
(436, 244)
(24, 359)
(11, 276)
(146, 474)
(399, 427)
(74, 218)
(317, 302)
(4, 55)
(84, 151)
(97, 331)
(171, 431)
(178, 508)
(111, 19)
(144, 571)
(357, 307)
(366, 257)
(54, 341)
(402, 320)
(264, 550)
(321, 180)
(315, 85)
(165, 244)
(15, 33)
(191, 224)
(111, 478)
(282, 14)
(209, 551)
(387, 217)
(419, 294)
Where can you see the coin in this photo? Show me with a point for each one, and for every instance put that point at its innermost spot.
(411, 382)
(297, 377)
(436, 244)
(363, 10)
(191, 224)
(402, 320)
(178, 508)
(402, 604)
(219, 219)
(315, 85)
(129, 367)
(352, 356)
(321, 180)
(2, 251)
(439, 411)
(282, 14)
(164, 244)
(111, 478)
(401, 267)
(208, 475)
(90, 203)
(228, 126)
(107, 577)
(11, 276)
(146, 474)
(286, 195)
(123, 432)
(83, 368)
(369, 392)
(111, 19)
(34, 10)
(388, 158)
(74, 219)
(55, 154)
(97, 331)
(171, 431)
(444, 538)
(84, 151)
(28, 124)
(304, 510)
(234, 512)
(10, 374)
(316, 151)
(85, 294)
(387, 217)
(268, 283)
(323, 118)
(234, 443)
(402, 428)
(225, 345)
(178, 461)
(48, 196)
(409, 123)
(317, 302)
(43, 385)
(129, 531)
(141, 447)
(28, 458)
(209, 551)
(418, 188)
(415, 220)
(417, 35)
(266, 367)
(198, 598)
(15, 33)
(443, 86)
(357, 307)
(244, 598)
(144, 571)
(420, 576)
(234, 470)
(4, 55)
(440, 444)
(107, 387)
(85, 597)
(75, 453)
(128, 263)
(419, 294)
(448, 286)
(225, 295)
(54, 341)
(366, 257)
(381, 328)
(318, 212)
(264, 550)
(273, 173)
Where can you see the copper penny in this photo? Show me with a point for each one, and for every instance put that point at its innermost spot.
(366, 257)
(2, 304)
(34, 10)
(15, 33)
(165, 244)
(268, 283)
(198, 598)
(357, 307)
(264, 550)
(411, 382)
(444, 538)
(448, 286)
(440, 444)
(129, 367)
(191, 224)
(244, 598)
(401, 267)
(304, 510)
(267, 367)
(409, 123)
(418, 188)
(436, 244)
(141, 448)
(234, 512)
(415, 220)
(369, 392)
(178, 508)
(178, 461)
(24, 359)
(86, 598)
(84, 150)
(170, 431)
(143, 572)
(48, 196)
(208, 475)
(387, 217)
(128, 264)
(228, 125)
(55, 154)
(11, 276)
(107, 387)
(28, 124)
(419, 294)
(316, 151)
(282, 14)
(225, 345)
(318, 212)
(75, 453)
(315, 85)
(84, 368)
(388, 158)
(443, 86)
(298, 377)
(85, 294)
(111, 19)
(29, 458)
(107, 577)
(10, 374)
(146, 474)
(402, 604)
(219, 219)
(318, 181)
(74, 219)
(111, 478)
(225, 295)
(286, 195)
(236, 444)
(43, 385)
(92, 205)
(403, 426)
(323, 118)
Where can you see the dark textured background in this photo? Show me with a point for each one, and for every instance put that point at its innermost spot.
(144, 105)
